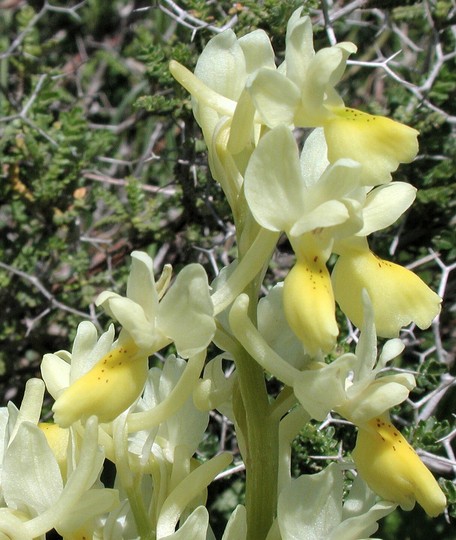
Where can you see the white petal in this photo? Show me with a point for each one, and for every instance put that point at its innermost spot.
(320, 72)
(87, 350)
(56, 374)
(187, 425)
(186, 312)
(328, 214)
(273, 183)
(94, 503)
(241, 132)
(378, 397)
(367, 344)
(384, 205)
(346, 48)
(132, 317)
(274, 328)
(391, 349)
(314, 160)
(141, 283)
(310, 506)
(31, 477)
(338, 181)
(195, 527)
(360, 498)
(275, 97)
(221, 65)
(321, 390)
(32, 402)
(364, 525)
(299, 47)
(258, 51)
(236, 528)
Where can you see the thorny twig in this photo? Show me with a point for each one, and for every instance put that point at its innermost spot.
(186, 19)
(331, 13)
(53, 302)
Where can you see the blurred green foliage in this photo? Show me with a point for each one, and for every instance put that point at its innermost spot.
(100, 155)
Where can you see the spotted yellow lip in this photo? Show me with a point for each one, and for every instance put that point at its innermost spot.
(108, 389)
(392, 468)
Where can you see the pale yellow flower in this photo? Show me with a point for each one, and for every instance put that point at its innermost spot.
(301, 92)
(103, 378)
(37, 496)
(318, 204)
(218, 85)
(301, 194)
(392, 468)
(355, 385)
(311, 507)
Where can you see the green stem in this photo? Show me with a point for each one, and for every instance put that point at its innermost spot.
(261, 438)
(260, 430)
(139, 511)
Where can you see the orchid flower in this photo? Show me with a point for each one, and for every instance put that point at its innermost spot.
(222, 105)
(99, 377)
(317, 204)
(285, 194)
(311, 507)
(184, 424)
(221, 73)
(105, 377)
(301, 92)
(354, 385)
(37, 495)
(157, 472)
(153, 315)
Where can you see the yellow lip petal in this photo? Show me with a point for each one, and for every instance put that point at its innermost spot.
(392, 468)
(398, 295)
(108, 389)
(378, 143)
(57, 439)
(309, 307)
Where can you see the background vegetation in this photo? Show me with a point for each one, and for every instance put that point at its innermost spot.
(100, 155)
